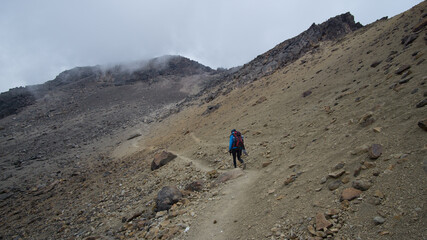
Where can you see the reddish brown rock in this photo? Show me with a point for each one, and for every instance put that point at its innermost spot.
(321, 222)
(375, 151)
(350, 194)
(162, 159)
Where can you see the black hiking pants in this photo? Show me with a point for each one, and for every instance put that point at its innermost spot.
(236, 153)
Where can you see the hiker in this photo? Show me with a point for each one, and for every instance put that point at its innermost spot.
(236, 147)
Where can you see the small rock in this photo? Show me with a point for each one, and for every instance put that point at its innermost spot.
(415, 90)
(311, 230)
(422, 103)
(379, 220)
(375, 151)
(323, 180)
(336, 174)
(423, 124)
(339, 166)
(260, 100)
(401, 69)
(366, 119)
(290, 179)
(321, 222)
(334, 185)
(362, 185)
(306, 93)
(345, 179)
(376, 63)
(266, 164)
(377, 129)
(357, 171)
(332, 212)
(350, 194)
(369, 164)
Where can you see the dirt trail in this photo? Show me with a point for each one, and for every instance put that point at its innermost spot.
(225, 211)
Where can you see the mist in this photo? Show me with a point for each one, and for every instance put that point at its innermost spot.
(39, 39)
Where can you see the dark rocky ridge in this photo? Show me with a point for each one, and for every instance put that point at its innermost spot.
(292, 49)
(148, 72)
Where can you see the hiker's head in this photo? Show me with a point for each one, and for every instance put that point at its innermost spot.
(233, 130)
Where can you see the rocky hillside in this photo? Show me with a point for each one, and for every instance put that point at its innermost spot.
(58, 125)
(336, 142)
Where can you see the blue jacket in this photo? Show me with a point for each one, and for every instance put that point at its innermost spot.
(231, 142)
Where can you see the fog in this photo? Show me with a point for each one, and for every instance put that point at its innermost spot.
(39, 39)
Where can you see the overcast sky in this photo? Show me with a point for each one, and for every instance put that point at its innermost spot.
(39, 39)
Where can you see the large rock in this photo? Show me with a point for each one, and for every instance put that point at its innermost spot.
(162, 159)
(235, 173)
(168, 196)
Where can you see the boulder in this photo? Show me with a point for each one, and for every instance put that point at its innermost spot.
(167, 196)
(162, 159)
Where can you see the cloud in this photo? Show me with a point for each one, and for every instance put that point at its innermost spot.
(39, 39)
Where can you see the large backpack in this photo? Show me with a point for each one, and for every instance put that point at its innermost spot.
(237, 140)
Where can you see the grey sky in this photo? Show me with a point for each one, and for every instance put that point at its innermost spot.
(39, 39)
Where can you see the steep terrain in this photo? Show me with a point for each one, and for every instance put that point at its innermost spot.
(312, 127)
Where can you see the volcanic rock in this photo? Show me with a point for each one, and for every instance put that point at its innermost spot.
(162, 159)
(168, 196)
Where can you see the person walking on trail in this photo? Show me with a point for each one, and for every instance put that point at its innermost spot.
(236, 147)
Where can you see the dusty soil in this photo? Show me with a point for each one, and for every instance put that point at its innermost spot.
(303, 125)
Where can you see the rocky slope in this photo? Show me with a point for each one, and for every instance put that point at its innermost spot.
(336, 150)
